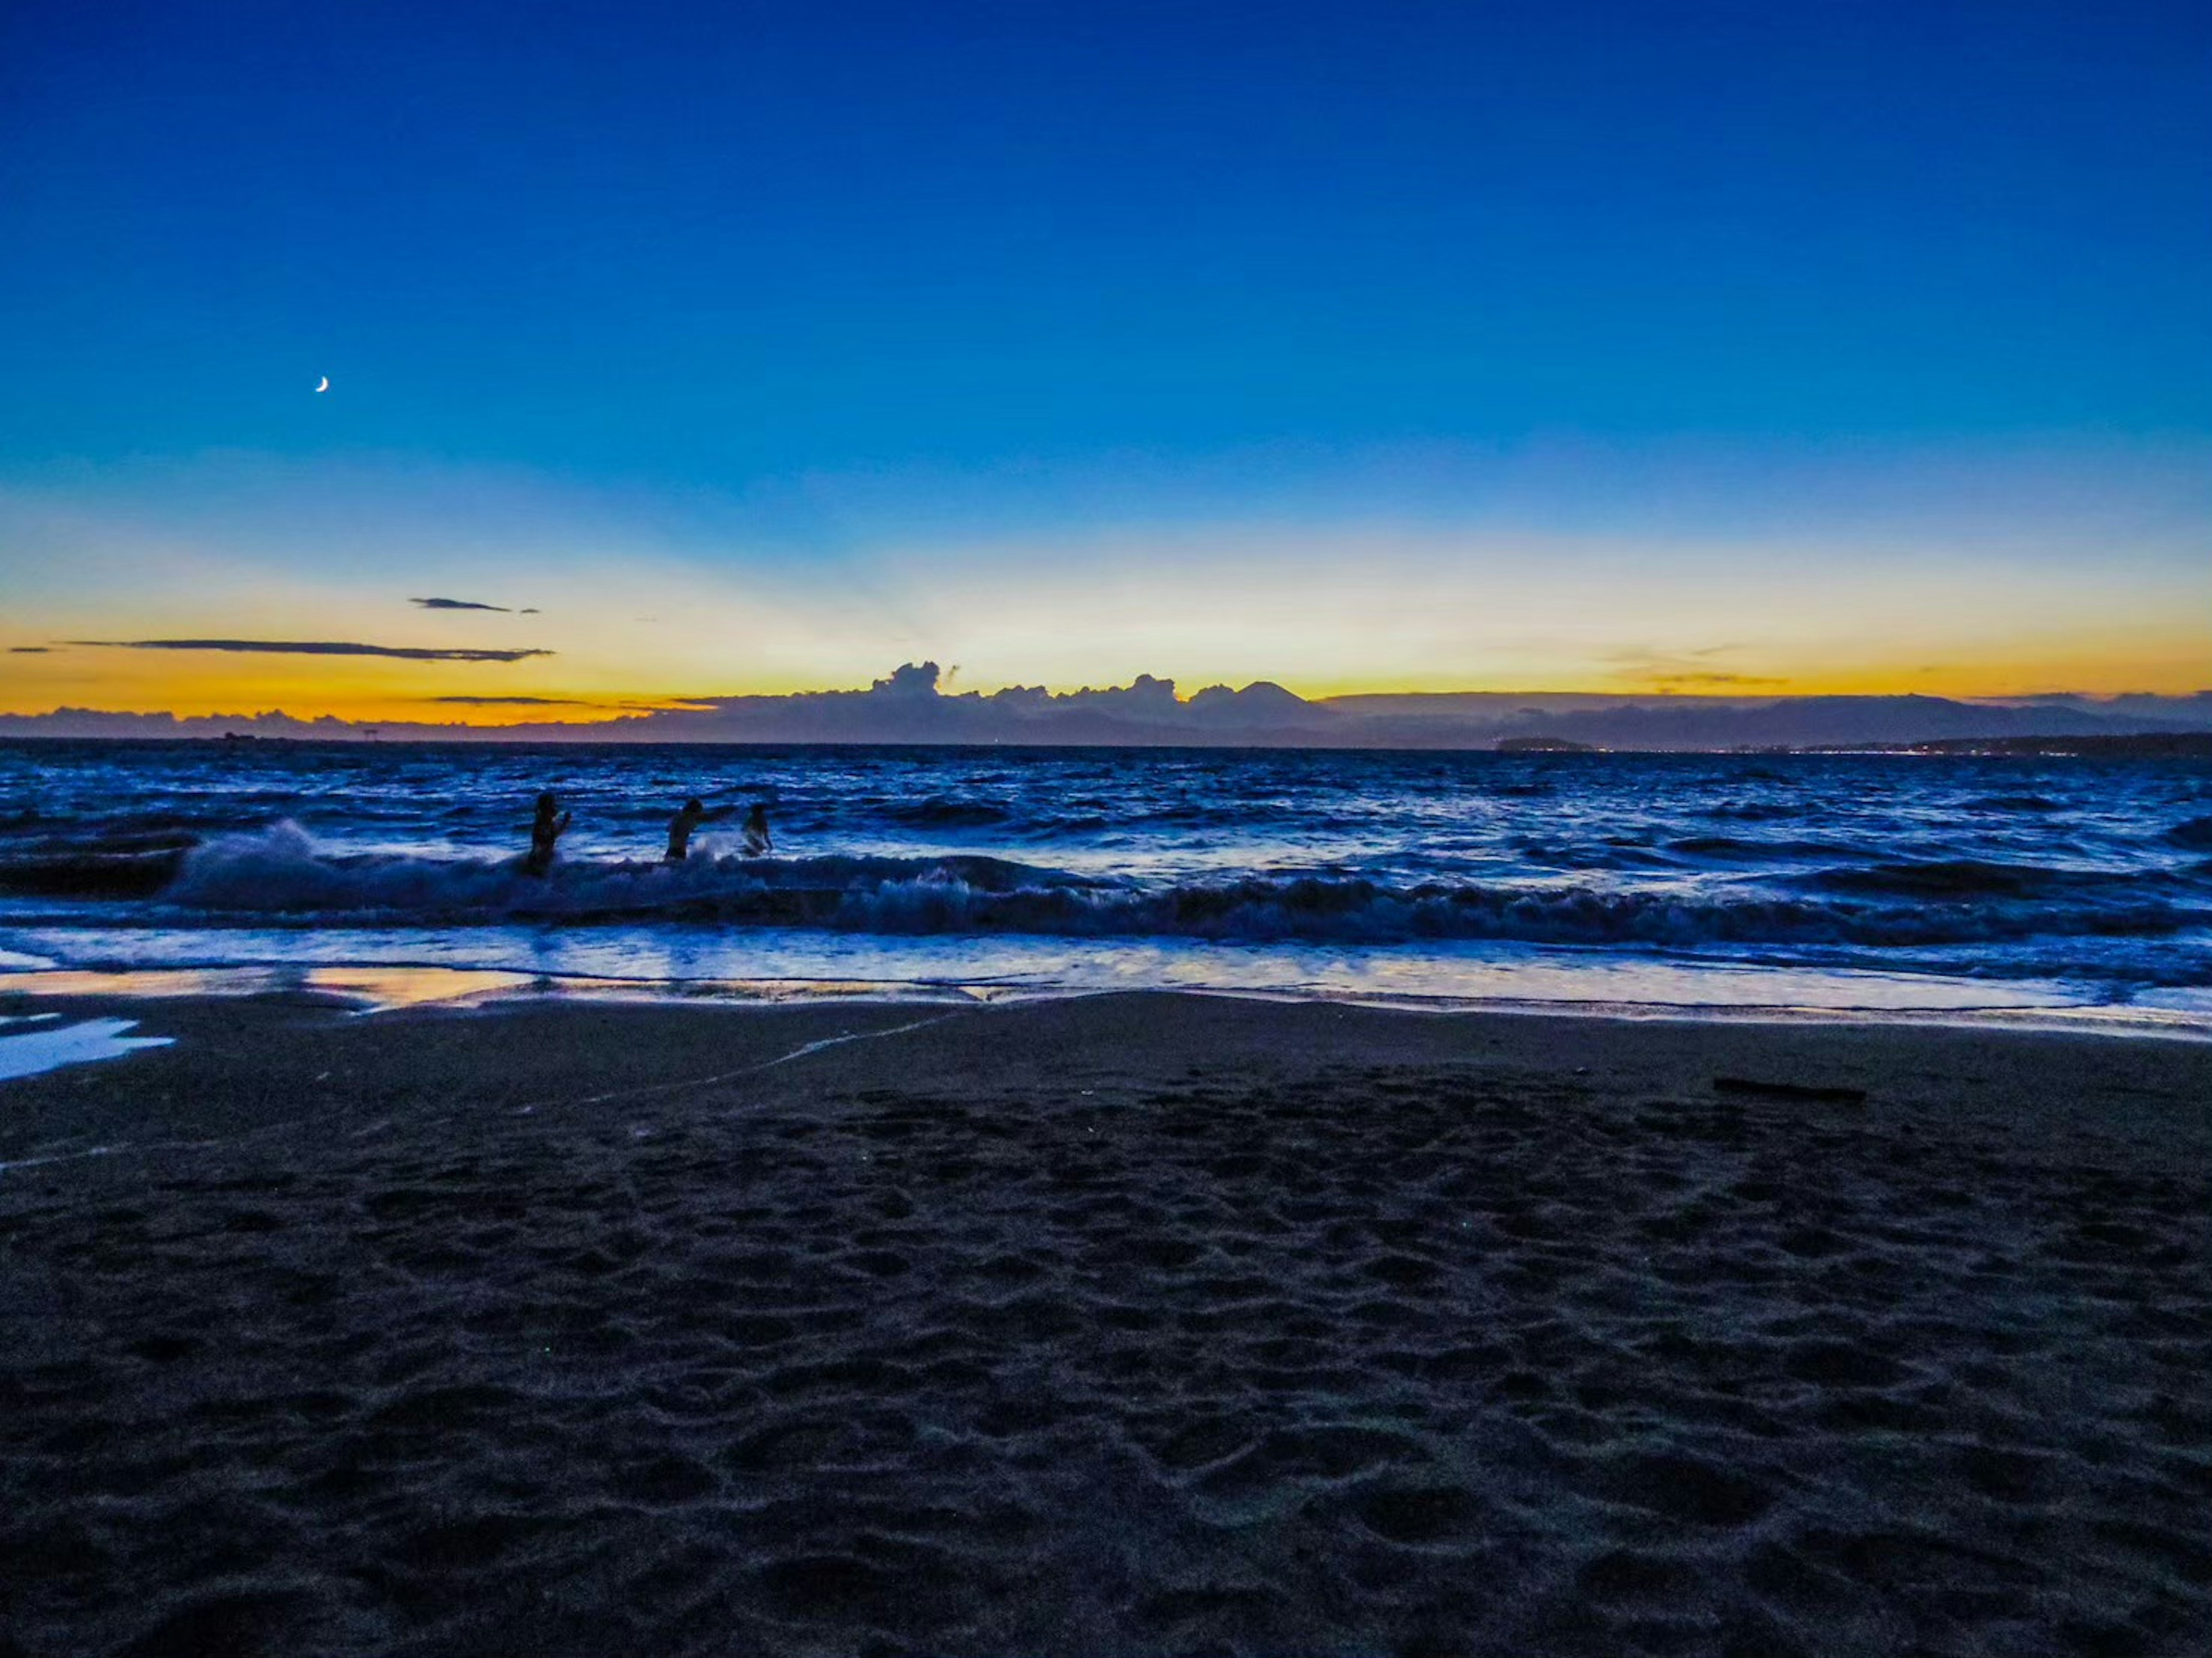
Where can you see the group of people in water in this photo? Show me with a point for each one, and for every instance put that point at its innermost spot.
(551, 823)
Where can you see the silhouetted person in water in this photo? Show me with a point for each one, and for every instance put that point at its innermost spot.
(693, 813)
(757, 840)
(550, 825)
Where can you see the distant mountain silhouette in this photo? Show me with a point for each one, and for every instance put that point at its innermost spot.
(910, 705)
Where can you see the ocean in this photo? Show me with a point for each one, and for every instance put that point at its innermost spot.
(1845, 885)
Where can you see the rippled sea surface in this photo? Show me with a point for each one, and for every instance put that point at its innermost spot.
(1877, 882)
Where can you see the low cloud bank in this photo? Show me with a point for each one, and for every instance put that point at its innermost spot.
(911, 705)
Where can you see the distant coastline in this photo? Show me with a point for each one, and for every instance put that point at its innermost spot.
(2138, 745)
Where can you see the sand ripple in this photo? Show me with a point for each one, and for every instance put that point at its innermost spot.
(1390, 1361)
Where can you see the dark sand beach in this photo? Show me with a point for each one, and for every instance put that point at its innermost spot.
(1133, 1325)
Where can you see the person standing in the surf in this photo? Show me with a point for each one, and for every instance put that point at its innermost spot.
(693, 813)
(545, 833)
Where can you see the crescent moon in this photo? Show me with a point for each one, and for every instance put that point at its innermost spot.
(325, 385)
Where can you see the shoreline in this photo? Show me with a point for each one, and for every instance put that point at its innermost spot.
(390, 988)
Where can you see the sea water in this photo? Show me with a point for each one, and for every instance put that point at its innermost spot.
(1881, 883)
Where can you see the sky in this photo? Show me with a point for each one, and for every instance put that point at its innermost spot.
(754, 348)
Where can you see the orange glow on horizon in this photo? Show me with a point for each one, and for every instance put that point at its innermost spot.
(363, 690)
(371, 691)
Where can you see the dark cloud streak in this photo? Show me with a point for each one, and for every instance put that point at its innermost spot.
(461, 604)
(312, 647)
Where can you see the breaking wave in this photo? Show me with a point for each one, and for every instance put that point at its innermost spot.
(281, 873)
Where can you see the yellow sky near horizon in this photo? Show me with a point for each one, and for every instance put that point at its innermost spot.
(1973, 586)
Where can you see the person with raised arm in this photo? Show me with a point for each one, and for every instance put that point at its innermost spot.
(688, 818)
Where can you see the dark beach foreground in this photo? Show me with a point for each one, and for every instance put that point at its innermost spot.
(1141, 1324)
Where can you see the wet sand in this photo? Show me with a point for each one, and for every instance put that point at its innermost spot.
(1139, 1324)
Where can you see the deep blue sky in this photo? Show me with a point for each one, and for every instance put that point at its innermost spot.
(668, 250)
(694, 239)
